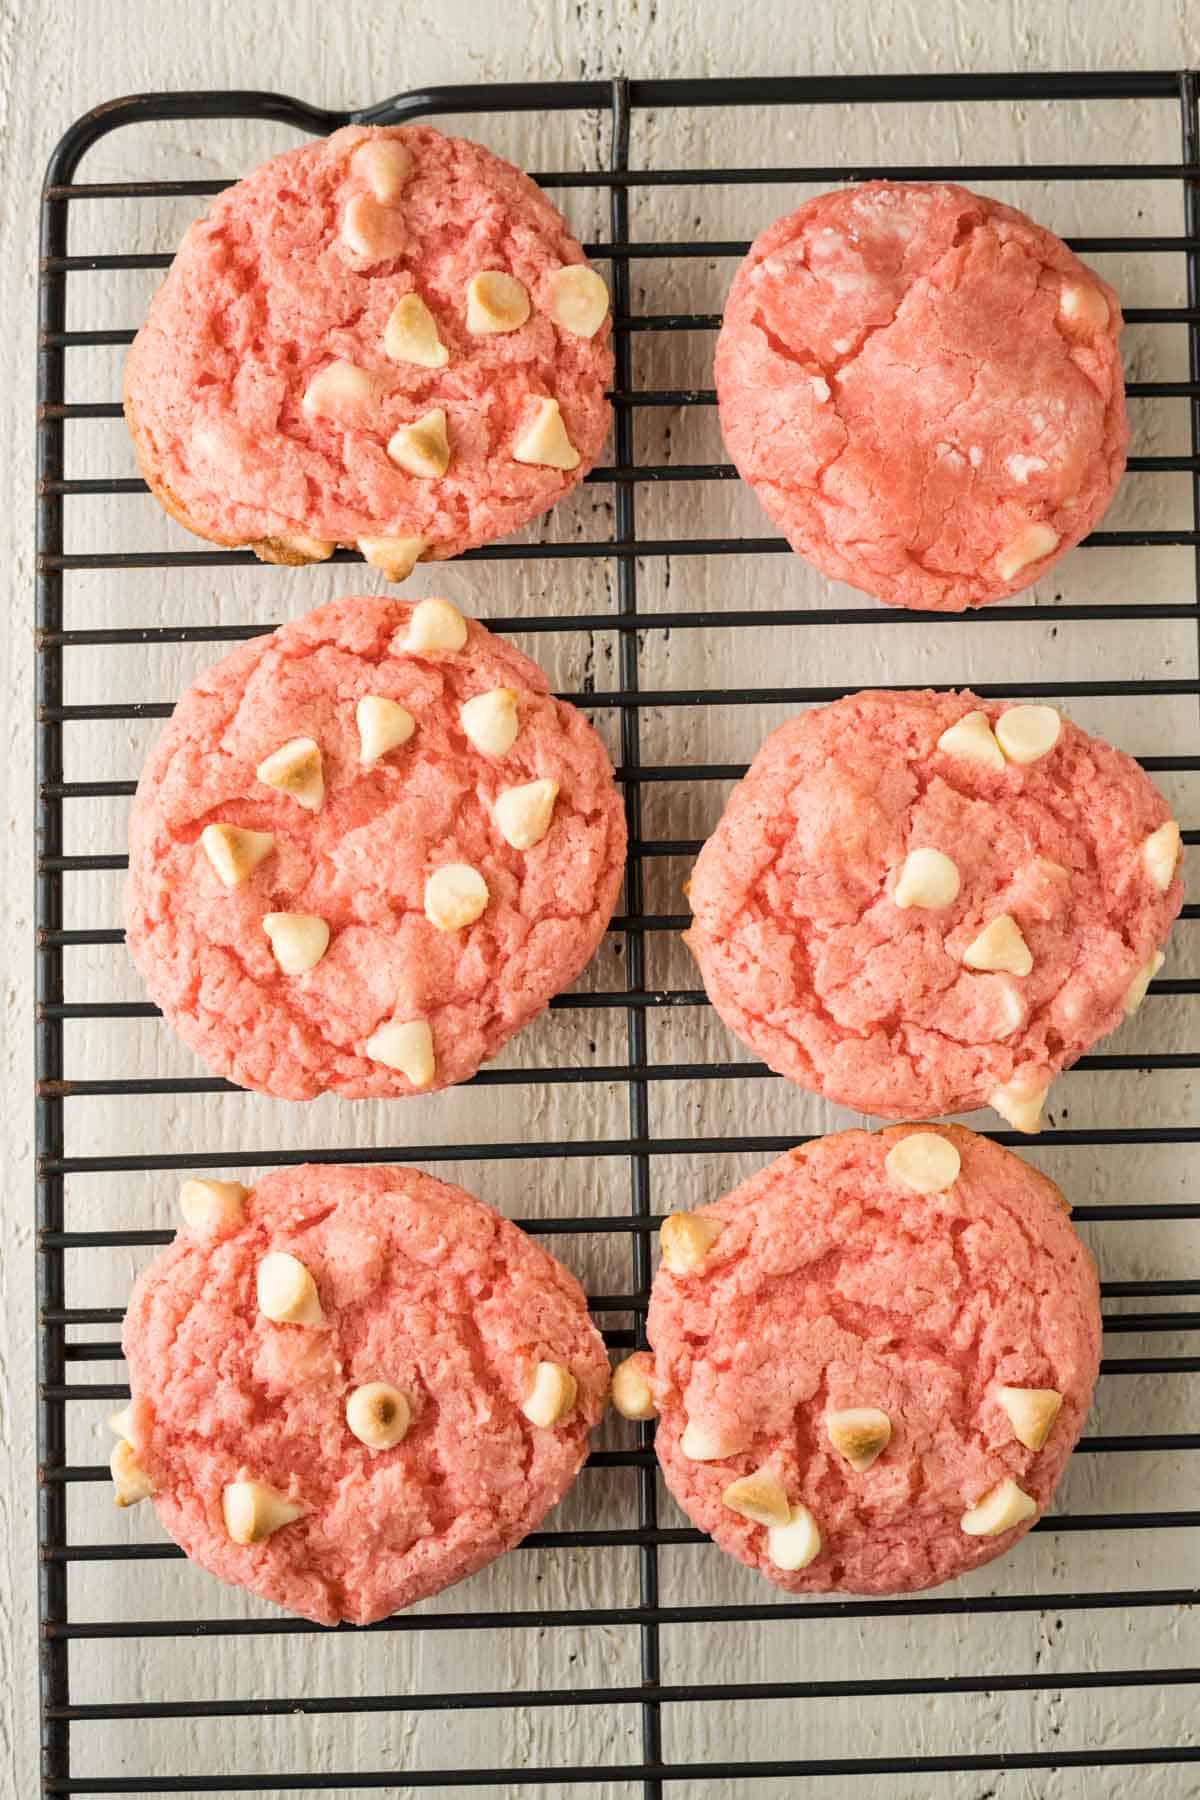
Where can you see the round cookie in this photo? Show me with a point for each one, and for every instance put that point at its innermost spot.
(919, 903)
(366, 850)
(924, 389)
(353, 1387)
(387, 338)
(873, 1358)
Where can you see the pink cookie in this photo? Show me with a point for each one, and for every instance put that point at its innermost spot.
(333, 300)
(919, 903)
(353, 1387)
(366, 850)
(924, 389)
(888, 1342)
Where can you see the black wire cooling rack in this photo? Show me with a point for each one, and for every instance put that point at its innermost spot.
(626, 555)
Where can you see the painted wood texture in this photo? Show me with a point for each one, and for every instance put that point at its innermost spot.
(57, 60)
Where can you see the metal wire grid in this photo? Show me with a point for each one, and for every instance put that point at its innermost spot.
(619, 100)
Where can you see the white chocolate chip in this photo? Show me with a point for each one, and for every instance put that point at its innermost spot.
(544, 441)
(378, 1415)
(686, 1239)
(1028, 547)
(1160, 854)
(234, 851)
(495, 302)
(212, 1207)
(1013, 1008)
(385, 164)
(820, 389)
(298, 940)
(1022, 467)
(130, 1481)
(1027, 733)
(578, 299)
(1000, 946)
(1084, 306)
(924, 1161)
(1020, 1107)
(860, 1434)
(422, 448)
(632, 1394)
(394, 557)
(1032, 1412)
(552, 1396)
(794, 1545)
(699, 1444)
(343, 392)
(286, 1290)
(455, 896)
(296, 769)
(252, 1511)
(215, 446)
(405, 1045)
(383, 725)
(491, 721)
(122, 1423)
(411, 335)
(1135, 993)
(759, 1497)
(928, 879)
(293, 550)
(523, 814)
(972, 737)
(1005, 1506)
(373, 231)
(434, 625)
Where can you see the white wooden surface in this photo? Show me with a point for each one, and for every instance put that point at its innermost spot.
(56, 60)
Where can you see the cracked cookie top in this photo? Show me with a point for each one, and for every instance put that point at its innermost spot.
(387, 338)
(919, 903)
(924, 389)
(366, 850)
(873, 1359)
(338, 1383)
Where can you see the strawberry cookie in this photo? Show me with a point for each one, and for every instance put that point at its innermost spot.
(352, 1387)
(872, 1359)
(387, 338)
(366, 850)
(924, 389)
(921, 903)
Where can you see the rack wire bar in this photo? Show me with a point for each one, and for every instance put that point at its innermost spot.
(638, 1144)
(663, 1694)
(602, 1617)
(560, 1777)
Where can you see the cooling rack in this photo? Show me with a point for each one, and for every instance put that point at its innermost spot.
(644, 1753)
